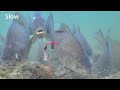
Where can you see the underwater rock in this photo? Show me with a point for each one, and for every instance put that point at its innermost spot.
(66, 73)
(32, 70)
(113, 76)
(29, 70)
(2, 78)
(5, 70)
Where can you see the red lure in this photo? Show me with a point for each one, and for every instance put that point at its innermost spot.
(54, 43)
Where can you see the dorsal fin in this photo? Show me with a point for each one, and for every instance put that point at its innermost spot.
(21, 19)
(33, 39)
(49, 27)
(63, 28)
(100, 37)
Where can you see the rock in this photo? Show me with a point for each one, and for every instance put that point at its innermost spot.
(2, 77)
(29, 70)
(35, 70)
(113, 76)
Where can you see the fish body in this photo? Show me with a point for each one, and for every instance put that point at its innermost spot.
(70, 52)
(82, 40)
(17, 40)
(104, 63)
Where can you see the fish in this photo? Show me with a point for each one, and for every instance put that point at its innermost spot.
(45, 30)
(81, 38)
(70, 52)
(43, 36)
(17, 41)
(115, 48)
(99, 36)
(103, 65)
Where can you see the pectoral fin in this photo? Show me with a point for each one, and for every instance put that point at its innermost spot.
(63, 28)
(33, 39)
(17, 57)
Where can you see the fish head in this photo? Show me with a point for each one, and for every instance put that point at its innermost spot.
(38, 23)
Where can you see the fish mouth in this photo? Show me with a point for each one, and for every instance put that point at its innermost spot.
(40, 32)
